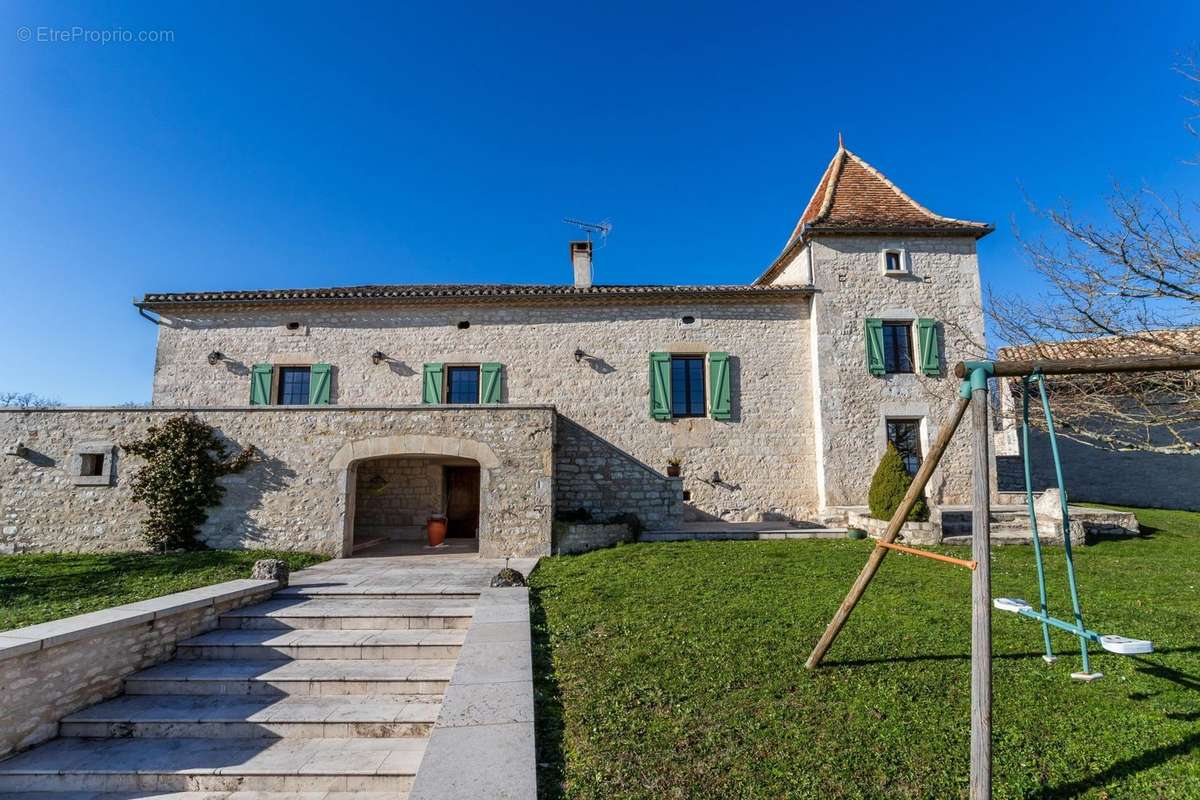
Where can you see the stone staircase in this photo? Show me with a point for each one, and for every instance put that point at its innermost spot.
(1007, 525)
(311, 694)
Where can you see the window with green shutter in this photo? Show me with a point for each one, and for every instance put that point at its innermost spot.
(721, 401)
(260, 384)
(492, 377)
(320, 383)
(660, 386)
(875, 363)
(929, 342)
(431, 384)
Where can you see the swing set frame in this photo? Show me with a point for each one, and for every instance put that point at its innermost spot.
(973, 394)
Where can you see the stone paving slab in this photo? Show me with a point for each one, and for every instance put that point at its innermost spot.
(304, 670)
(301, 708)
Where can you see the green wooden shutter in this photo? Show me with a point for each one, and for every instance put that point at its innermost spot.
(492, 377)
(431, 384)
(875, 363)
(260, 384)
(660, 386)
(319, 377)
(927, 338)
(720, 403)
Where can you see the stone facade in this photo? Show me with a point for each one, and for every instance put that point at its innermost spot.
(397, 493)
(294, 496)
(763, 454)
(51, 670)
(570, 538)
(850, 405)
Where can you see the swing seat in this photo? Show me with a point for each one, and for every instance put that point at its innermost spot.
(1014, 604)
(1126, 647)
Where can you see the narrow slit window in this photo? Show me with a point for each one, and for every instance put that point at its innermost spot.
(687, 386)
(897, 347)
(293, 386)
(462, 384)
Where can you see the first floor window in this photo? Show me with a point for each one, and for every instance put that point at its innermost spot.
(293, 386)
(462, 384)
(687, 386)
(905, 436)
(897, 347)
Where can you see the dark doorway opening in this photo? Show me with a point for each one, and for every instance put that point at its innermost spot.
(462, 502)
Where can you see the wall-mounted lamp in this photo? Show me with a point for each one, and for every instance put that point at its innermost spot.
(214, 357)
(378, 357)
(579, 354)
(716, 477)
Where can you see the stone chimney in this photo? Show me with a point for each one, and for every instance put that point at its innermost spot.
(581, 262)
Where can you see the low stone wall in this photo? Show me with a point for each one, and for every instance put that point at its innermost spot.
(51, 670)
(294, 496)
(917, 533)
(594, 475)
(580, 537)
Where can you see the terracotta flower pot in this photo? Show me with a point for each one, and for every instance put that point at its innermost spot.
(673, 470)
(435, 530)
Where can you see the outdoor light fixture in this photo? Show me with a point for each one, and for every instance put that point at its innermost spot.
(579, 354)
(716, 477)
(214, 357)
(378, 357)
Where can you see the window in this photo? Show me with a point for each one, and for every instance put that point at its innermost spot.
(687, 386)
(897, 347)
(462, 384)
(893, 261)
(293, 386)
(91, 465)
(905, 436)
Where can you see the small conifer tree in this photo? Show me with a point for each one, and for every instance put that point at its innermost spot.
(888, 487)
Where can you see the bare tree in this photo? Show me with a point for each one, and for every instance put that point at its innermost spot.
(1128, 285)
(26, 400)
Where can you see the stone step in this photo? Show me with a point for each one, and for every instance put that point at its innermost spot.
(352, 614)
(742, 536)
(308, 677)
(386, 591)
(207, 765)
(143, 794)
(249, 717)
(323, 644)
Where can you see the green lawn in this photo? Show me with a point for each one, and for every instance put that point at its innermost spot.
(40, 587)
(677, 671)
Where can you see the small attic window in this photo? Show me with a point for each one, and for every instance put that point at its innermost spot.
(462, 326)
(293, 326)
(687, 319)
(894, 262)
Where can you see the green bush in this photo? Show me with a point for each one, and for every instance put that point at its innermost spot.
(178, 482)
(888, 486)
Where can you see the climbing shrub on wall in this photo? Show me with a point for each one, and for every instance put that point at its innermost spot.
(178, 482)
(888, 486)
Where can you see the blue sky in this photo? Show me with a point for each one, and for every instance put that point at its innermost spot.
(294, 144)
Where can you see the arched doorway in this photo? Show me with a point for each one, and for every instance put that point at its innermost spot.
(392, 484)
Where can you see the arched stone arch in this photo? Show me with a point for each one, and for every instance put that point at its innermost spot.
(414, 445)
(349, 455)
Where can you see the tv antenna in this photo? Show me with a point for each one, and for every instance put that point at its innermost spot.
(603, 228)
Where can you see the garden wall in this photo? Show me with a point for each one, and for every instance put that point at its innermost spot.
(50, 670)
(293, 496)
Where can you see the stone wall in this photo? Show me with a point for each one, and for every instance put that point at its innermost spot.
(294, 496)
(764, 453)
(51, 670)
(594, 475)
(1097, 475)
(581, 537)
(943, 285)
(396, 493)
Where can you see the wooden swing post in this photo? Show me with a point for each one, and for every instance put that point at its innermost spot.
(915, 490)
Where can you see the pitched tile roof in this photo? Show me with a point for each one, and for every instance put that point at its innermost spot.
(854, 197)
(386, 293)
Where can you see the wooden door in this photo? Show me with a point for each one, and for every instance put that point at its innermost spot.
(462, 501)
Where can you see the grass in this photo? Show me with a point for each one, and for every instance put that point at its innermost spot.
(42, 587)
(677, 671)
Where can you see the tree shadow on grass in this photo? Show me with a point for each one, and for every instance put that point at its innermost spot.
(1121, 769)
(548, 710)
(1151, 668)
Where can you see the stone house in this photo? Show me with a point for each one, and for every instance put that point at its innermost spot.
(504, 405)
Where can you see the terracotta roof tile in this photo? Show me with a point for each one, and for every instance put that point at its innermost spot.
(854, 197)
(385, 293)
